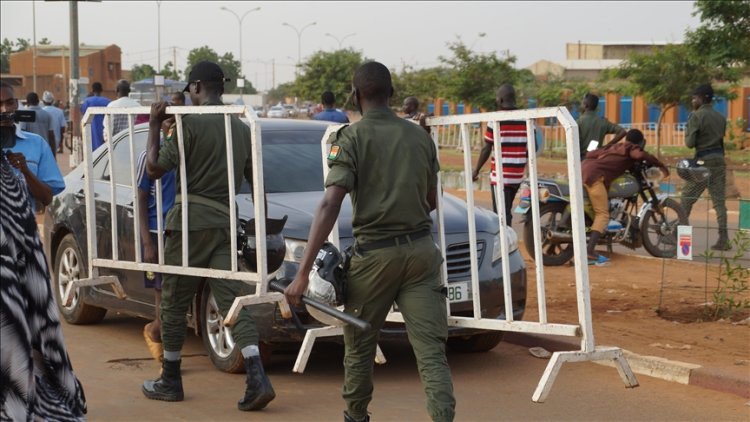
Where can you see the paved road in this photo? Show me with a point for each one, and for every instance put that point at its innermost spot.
(112, 361)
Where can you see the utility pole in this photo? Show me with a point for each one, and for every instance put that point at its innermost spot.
(158, 36)
(174, 61)
(75, 116)
(273, 73)
(33, 53)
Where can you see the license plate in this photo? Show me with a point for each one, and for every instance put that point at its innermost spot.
(458, 292)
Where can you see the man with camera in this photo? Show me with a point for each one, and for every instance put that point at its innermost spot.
(27, 152)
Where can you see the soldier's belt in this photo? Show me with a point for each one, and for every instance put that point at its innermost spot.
(393, 241)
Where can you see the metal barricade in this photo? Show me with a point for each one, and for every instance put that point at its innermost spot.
(462, 124)
(259, 279)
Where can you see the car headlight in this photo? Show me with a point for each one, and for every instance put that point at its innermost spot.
(295, 250)
(497, 251)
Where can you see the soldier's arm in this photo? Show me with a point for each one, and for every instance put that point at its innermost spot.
(691, 132)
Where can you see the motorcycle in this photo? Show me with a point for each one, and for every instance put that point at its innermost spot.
(652, 225)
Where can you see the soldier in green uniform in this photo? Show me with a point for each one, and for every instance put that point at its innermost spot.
(389, 168)
(705, 132)
(209, 241)
(592, 127)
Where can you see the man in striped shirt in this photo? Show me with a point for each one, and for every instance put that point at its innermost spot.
(513, 151)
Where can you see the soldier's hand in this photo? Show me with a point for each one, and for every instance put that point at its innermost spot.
(158, 112)
(294, 291)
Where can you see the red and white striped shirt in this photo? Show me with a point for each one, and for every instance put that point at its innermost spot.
(513, 151)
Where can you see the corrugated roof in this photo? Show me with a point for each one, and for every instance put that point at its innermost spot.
(59, 50)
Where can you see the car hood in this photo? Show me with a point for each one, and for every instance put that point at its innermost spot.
(301, 206)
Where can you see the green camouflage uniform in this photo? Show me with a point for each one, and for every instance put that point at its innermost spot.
(388, 165)
(209, 238)
(705, 132)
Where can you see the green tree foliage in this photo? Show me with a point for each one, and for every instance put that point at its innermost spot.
(169, 72)
(45, 41)
(474, 77)
(228, 64)
(723, 38)
(328, 71)
(281, 92)
(425, 84)
(7, 47)
(555, 91)
(142, 71)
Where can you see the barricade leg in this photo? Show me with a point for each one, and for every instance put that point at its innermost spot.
(74, 285)
(309, 342)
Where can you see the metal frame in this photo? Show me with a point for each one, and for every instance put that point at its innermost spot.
(259, 278)
(584, 328)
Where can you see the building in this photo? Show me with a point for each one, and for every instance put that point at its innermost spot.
(96, 63)
(586, 61)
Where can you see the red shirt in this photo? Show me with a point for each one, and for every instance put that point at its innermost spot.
(513, 151)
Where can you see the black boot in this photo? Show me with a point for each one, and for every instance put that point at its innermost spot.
(168, 387)
(348, 418)
(593, 240)
(722, 244)
(259, 391)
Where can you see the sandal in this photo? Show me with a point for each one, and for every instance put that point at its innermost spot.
(154, 347)
(599, 260)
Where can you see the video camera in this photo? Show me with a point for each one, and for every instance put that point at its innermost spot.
(18, 116)
(7, 131)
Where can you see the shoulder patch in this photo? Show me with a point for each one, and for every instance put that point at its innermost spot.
(335, 149)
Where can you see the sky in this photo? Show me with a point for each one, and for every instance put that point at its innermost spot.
(396, 33)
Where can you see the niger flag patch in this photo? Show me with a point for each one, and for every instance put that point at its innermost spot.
(334, 152)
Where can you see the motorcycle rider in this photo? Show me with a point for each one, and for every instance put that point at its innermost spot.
(599, 169)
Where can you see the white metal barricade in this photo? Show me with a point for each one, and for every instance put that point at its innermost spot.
(584, 328)
(259, 279)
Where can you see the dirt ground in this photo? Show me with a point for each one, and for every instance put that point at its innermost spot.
(648, 306)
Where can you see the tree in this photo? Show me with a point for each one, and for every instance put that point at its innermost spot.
(7, 48)
(425, 84)
(227, 62)
(169, 72)
(474, 77)
(724, 34)
(280, 92)
(142, 71)
(328, 71)
(645, 75)
(45, 41)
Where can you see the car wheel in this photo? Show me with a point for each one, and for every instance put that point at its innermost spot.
(69, 266)
(476, 343)
(218, 340)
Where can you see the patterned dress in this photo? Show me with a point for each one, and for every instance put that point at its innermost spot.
(36, 378)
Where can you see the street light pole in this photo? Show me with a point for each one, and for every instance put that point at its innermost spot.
(158, 36)
(33, 54)
(299, 40)
(340, 41)
(239, 21)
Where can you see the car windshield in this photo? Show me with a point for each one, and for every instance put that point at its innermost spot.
(292, 161)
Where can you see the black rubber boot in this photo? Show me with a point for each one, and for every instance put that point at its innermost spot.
(593, 240)
(722, 244)
(348, 418)
(259, 391)
(168, 387)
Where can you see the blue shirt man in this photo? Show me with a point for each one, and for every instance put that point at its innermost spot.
(330, 113)
(39, 161)
(97, 125)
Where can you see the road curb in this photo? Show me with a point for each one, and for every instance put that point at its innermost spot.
(653, 366)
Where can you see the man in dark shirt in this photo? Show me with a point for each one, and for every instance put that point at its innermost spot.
(705, 132)
(389, 168)
(209, 240)
(592, 127)
(599, 169)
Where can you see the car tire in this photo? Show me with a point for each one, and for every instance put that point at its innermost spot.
(69, 266)
(476, 343)
(218, 340)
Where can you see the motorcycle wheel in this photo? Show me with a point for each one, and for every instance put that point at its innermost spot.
(659, 229)
(550, 217)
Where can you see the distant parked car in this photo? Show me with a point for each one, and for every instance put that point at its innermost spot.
(277, 112)
(291, 110)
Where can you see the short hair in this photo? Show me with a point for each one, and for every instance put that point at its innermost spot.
(32, 98)
(506, 91)
(635, 136)
(412, 100)
(179, 95)
(123, 86)
(591, 101)
(373, 81)
(97, 87)
(328, 98)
